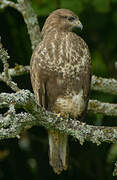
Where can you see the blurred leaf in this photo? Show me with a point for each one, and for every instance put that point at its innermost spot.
(102, 5)
(4, 153)
(98, 119)
(115, 1)
(75, 5)
(99, 67)
(44, 7)
(86, 1)
(114, 17)
(112, 155)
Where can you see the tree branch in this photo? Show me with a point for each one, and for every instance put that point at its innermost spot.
(36, 115)
(115, 169)
(108, 109)
(104, 85)
(5, 77)
(13, 124)
(13, 127)
(18, 70)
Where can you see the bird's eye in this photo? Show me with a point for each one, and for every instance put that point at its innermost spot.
(65, 17)
(71, 18)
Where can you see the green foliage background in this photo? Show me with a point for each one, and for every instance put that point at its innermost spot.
(28, 157)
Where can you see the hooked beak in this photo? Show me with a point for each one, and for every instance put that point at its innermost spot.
(78, 24)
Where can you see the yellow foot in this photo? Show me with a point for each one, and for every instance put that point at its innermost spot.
(58, 115)
(63, 115)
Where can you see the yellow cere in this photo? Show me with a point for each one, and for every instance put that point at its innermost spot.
(79, 22)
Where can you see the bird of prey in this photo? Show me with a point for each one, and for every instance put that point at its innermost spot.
(60, 72)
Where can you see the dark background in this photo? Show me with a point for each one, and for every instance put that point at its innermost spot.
(28, 157)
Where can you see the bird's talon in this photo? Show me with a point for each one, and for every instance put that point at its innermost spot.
(58, 115)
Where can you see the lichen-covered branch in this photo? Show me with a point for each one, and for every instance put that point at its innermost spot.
(4, 57)
(18, 70)
(19, 99)
(38, 116)
(13, 127)
(5, 77)
(30, 18)
(104, 85)
(115, 169)
(13, 124)
(100, 107)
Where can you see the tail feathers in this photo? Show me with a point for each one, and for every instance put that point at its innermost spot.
(58, 151)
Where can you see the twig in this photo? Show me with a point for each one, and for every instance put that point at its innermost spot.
(108, 109)
(18, 70)
(10, 83)
(20, 99)
(6, 3)
(12, 125)
(5, 77)
(115, 169)
(104, 85)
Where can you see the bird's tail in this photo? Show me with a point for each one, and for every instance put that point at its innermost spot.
(58, 150)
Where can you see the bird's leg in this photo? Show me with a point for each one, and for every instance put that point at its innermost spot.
(59, 115)
(65, 115)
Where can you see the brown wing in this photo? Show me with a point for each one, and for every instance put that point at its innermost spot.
(60, 66)
(35, 73)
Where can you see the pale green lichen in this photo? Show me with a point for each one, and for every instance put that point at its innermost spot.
(115, 169)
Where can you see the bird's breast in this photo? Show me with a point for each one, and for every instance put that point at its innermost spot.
(70, 105)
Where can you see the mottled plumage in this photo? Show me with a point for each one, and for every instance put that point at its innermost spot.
(60, 75)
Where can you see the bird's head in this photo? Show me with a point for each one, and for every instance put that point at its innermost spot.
(63, 19)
